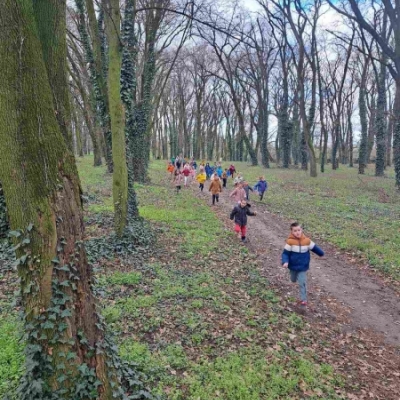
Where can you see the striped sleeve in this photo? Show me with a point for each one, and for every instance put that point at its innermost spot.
(286, 253)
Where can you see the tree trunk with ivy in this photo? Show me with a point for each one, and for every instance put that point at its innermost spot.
(120, 173)
(93, 55)
(128, 96)
(67, 353)
(363, 147)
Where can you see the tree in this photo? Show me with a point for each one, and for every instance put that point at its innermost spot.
(42, 190)
(391, 48)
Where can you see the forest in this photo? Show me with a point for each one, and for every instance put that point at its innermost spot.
(116, 286)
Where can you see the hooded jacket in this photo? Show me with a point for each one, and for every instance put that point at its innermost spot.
(238, 194)
(261, 186)
(201, 177)
(215, 186)
(240, 214)
(297, 252)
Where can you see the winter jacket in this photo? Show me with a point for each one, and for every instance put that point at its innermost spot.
(224, 175)
(219, 171)
(261, 186)
(297, 252)
(186, 171)
(240, 214)
(208, 169)
(215, 186)
(201, 177)
(238, 194)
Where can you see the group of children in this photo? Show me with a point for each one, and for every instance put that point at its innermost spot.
(296, 253)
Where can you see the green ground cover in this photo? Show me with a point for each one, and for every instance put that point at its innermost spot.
(359, 214)
(198, 318)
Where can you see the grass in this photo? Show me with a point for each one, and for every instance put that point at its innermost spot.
(358, 214)
(198, 318)
(192, 319)
(11, 354)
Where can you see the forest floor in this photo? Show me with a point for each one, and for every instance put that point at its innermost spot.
(206, 317)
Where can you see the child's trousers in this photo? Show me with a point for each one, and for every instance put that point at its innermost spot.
(301, 278)
(241, 229)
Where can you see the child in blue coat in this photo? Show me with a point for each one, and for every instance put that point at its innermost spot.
(261, 187)
(296, 257)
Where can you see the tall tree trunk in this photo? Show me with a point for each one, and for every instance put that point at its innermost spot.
(371, 130)
(96, 77)
(50, 18)
(42, 190)
(363, 147)
(120, 173)
(396, 134)
(380, 120)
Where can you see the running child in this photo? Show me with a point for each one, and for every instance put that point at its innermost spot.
(215, 189)
(201, 178)
(296, 257)
(232, 170)
(186, 173)
(170, 168)
(224, 177)
(247, 189)
(261, 187)
(238, 193)
(178, 180)
(239, 214)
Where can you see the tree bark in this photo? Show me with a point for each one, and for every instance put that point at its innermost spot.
(42, 188)
(120, 173)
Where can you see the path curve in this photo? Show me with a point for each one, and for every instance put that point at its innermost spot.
(368, 303)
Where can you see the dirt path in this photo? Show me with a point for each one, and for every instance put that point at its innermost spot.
(336, 287)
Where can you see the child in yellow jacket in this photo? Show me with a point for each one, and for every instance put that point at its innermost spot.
(201, 178)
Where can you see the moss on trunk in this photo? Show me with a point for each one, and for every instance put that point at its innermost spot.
(42, 189)
(120, 173)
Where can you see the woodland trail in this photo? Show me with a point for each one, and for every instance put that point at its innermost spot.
(337, 288)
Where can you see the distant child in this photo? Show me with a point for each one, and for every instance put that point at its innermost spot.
(215, 189)
(261, 187)
(232, 170)
(238, 179)
(238, 193)
(170, 168)
(239, 214)
(209, 170)
(219, 171)
(224, 177)
(178, 180)
(296, 257)
(201, 178)
(186, 173)
(247, 189)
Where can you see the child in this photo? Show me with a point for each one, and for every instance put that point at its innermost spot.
(178, 180)
(261, 186)
(238, 194)
(170, 168)
(224, 177)
(215, 188)
(238, 179)
(232, 170)
(201, 178)
(240, 213)
(247, 189)
(186, 172)
(219, 171)
(209, 170)
(296, 257)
